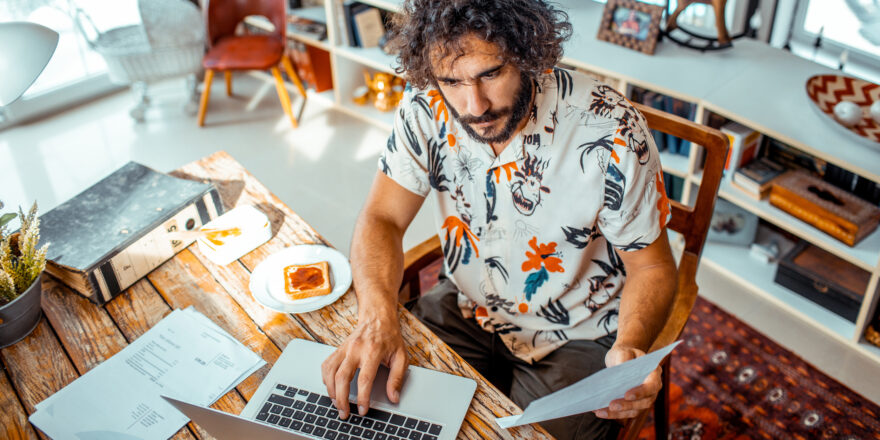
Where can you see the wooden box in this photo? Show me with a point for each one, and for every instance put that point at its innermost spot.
(825, 206)
(825, 279)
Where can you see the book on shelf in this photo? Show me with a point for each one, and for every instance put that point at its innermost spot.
(852, 182)
(674, 186)
(350, 9)
(112, 234)
(792, 158)
(310, 22)
(744, 146)
(367, 27)
(664, 141)
(756, 178)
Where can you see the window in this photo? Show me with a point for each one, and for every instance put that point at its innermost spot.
(845, 26)
(75, 72)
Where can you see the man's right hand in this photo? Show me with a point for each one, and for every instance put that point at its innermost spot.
(373, 341)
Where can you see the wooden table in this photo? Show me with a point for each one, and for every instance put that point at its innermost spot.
(75, 335)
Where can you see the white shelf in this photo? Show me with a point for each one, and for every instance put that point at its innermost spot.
(865, 254)
(388, 5)
(372, 57)
(790, 117)
(674, 164)
(868, 348)
(736, 263)
(263, 23)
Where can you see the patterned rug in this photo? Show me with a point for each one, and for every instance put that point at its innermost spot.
(731, 382)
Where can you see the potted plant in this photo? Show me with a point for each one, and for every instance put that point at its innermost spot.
(21, 264)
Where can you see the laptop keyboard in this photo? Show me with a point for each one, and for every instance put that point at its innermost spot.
(306, 412)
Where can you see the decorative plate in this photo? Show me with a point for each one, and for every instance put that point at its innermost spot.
(827, 90)
(267, 279)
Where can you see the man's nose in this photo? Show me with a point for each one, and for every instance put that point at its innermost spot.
(477, 102)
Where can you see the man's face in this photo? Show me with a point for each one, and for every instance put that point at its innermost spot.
(486, 94)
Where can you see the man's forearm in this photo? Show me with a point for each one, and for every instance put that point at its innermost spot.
(377, 267)
(645, 304)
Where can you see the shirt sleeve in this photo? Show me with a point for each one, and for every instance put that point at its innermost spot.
(404, 159)
(635, 208)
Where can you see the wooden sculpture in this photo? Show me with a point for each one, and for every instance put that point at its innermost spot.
(719, 7)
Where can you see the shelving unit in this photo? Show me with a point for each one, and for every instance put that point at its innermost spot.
(754, 84)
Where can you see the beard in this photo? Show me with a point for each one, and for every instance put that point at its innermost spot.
(515, 114)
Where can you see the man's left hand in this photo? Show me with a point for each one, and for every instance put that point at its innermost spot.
(636, 399)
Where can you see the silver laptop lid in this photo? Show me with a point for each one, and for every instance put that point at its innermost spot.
(429, 395)
(225, 426)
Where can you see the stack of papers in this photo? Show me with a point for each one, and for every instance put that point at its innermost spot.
(185, 356)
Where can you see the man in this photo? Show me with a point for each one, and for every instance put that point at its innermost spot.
(549, 193)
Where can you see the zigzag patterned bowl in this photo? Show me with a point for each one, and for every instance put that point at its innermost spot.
(827, 90)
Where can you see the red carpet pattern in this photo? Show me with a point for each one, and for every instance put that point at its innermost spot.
(731, 382)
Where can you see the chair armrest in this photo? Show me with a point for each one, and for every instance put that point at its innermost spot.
(414, 260)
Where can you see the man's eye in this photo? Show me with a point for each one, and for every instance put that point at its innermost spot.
(492, 75)
(450, 83)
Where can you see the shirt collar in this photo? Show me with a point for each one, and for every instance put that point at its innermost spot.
(542, 119)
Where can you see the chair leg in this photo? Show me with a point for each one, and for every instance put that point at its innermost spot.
(282, 95)
(228, 75)
(291, 73)
(206, 94)
(661, 405)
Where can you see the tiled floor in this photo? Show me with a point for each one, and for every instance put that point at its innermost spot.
(322, 170)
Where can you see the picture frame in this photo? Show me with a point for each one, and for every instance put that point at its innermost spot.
(631, 24)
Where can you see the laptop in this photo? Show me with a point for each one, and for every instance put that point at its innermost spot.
(292, 403)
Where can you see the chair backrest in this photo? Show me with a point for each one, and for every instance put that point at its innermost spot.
(690, 221)
(222, 16)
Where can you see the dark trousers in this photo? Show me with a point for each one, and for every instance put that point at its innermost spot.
(521, 381)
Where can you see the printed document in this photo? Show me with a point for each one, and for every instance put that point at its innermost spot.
(185, 356)
(592, 393)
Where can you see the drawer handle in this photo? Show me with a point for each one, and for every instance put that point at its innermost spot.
(821, 287)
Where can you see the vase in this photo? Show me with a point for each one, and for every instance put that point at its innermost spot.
(21, 316)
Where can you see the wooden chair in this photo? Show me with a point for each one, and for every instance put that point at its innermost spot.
(229, 52)
(692, 222)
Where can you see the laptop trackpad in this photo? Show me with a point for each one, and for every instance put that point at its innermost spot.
(378, 393)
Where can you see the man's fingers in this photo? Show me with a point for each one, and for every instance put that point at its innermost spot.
(395, 376)
(328, 372)
(648, 389)
(365, 383)
(343, 379)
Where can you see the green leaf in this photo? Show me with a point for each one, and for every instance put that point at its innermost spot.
(6, 218)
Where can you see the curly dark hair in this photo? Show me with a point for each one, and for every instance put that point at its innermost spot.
(529, 33)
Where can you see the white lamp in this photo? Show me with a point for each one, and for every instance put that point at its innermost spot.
(25, 49)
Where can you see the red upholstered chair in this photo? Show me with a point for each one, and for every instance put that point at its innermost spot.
(229, 52)
(692, 222)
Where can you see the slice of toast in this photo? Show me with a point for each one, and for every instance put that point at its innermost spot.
(307, 280)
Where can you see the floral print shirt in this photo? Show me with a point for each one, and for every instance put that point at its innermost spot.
(529, 236)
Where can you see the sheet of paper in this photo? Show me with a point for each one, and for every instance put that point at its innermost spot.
(592, 393)
(185, 356)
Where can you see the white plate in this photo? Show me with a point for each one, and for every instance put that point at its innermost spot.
(267, 279)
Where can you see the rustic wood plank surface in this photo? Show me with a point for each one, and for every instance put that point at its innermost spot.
(26, 361)
(330, 325)
(76, 335)
(13, 419)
